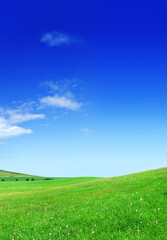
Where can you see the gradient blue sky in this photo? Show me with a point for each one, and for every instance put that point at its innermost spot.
(83, 86)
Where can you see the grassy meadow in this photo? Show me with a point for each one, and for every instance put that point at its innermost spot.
(127, 207)
(12, 176)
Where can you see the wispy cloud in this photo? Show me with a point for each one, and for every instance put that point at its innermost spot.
(23, 117)
(86, 131)
(63, 94)
(10, 118)
(63, 86)
(60, 102)
(55, 38)
(7, 130)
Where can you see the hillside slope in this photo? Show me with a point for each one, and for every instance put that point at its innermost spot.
(4, 173)
(128, 207)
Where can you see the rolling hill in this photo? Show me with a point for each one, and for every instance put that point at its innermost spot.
(8, 174)
(124, 208)
(13, 176)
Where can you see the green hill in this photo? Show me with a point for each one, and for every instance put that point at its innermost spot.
(13, 176)
(8, 174)
(120, 208)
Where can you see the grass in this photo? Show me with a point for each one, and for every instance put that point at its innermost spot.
(13, 176)
(128, 207)
(8, 174)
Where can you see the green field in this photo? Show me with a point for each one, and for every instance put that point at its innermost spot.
(128, 207)
(13, 176)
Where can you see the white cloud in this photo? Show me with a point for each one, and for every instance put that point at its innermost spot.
(52, 86)
(63, 95)
(9, 120)
(23, 117)
(86, 131)
(60, 102)
(7, 130)
(54, 39)
(23, 106)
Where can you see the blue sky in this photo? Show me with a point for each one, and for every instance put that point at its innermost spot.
(83, 89)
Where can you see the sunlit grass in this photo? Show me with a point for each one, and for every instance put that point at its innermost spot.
(127, 207)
